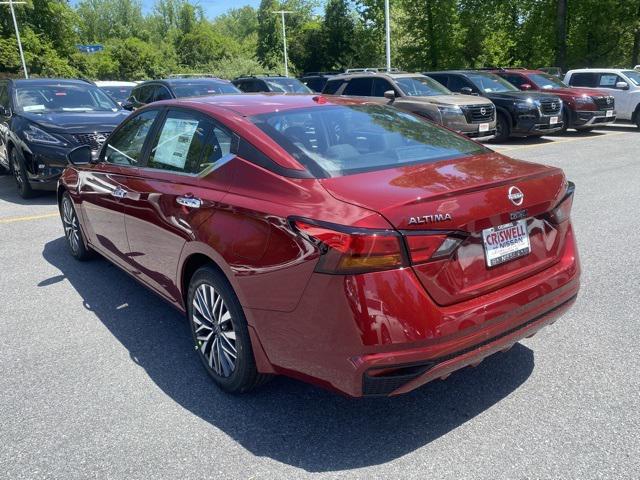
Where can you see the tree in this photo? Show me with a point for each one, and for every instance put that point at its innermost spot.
(561, 34)
(269, 48)
(338, 32)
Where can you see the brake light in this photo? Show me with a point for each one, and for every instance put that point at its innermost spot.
(562, 211)
(345, 250)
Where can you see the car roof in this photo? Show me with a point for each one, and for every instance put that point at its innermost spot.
(185, 81)
(391, 75)
(114, 83)
(49, 81)
(595, 70)
(249, 104)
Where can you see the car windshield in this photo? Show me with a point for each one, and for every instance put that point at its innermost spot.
(344, 139)
(490, 83)
(287, 85)
(633, 76)
(421, 87)
(546, 81)
(119, 94)
(63, 98)
(200, 89)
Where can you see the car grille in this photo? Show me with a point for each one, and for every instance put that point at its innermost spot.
(550, 106)
(95, 139)
(604, 102)
(479, 113)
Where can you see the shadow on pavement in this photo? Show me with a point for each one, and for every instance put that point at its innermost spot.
(8, 193)
(288, 421)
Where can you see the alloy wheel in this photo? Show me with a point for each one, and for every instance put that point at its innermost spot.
(214, 330)
(70, 223)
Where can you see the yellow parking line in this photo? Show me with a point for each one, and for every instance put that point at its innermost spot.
(27, 218)
(554, 142)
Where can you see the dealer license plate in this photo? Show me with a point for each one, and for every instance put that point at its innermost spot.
(553, 120)
(609, 113)
(483, 127)
(506, 242)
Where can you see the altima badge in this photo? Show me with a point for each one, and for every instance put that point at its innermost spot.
(516, 196)
(436, 217)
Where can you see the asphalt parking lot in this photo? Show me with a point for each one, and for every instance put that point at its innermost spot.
(98, 378)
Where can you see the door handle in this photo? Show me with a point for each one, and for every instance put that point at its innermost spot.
(189, 202)
(119, 192)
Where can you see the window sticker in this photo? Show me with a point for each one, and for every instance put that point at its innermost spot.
(175, 141)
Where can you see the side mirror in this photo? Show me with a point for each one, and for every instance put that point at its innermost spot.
(622, 86)
(128, 104)
(526, 86)
(466, 91)
(82, 155)
(390, 94)
(4, 111)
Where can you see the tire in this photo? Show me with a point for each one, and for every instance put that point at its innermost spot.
(565, 121)
(20, 175)
(220, 332)
(503, 128)
(72, 231)
(636, 117)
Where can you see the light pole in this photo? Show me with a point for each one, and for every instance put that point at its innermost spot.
(387, 32)
(11, 3)
(284, 40)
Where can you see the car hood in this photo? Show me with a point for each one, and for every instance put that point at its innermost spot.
(77, 122)
(575, 92)
(451, 100)
(518, 96)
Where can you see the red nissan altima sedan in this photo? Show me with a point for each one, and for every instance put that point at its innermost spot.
(351, 245)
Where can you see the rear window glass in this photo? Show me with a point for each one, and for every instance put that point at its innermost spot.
(344, 139)
(584, 80)
(287, 85)
(332, 86)
(200, 89)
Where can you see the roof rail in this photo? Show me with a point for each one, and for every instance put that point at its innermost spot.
(192, 75)
(373, 70)
(308, 74)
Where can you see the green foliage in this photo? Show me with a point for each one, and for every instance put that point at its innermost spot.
(176, 37)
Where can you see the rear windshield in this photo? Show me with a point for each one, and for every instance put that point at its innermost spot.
(490, 83)
(421, 87)
(200, 89)
(287, 85)
(344, 139)
(119, 94)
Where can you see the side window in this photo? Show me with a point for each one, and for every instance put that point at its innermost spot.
(584, 79)
(189, 142)
(243, 86)
(161, 93)
(261, 86)
(380, 86)
(609, 80)
(331, 87)
(359, 87)
(441, 79)
(125, 146)
(517, 80)
(457, 83)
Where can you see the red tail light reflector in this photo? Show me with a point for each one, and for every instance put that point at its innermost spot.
(356, 250)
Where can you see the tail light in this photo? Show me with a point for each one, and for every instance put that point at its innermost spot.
(562, 211)
(346, 250)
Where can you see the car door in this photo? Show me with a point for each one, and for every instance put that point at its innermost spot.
(103, 187)
(607, 82)
(5, 116)
(167, 201)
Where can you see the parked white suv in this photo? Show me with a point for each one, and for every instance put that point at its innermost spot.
(623, 84)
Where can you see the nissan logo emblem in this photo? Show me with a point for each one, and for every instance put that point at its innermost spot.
(553, 105)
(100, 138)
(516, 196)
(483, 111)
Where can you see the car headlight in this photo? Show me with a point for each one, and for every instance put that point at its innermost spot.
(450, 110)
(34, 134)
(528, 104)
(584, 100)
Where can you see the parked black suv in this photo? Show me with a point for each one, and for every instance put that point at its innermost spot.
(42, 120)
(520, 114)
(270, 83)
(155, 90)
(317, 80)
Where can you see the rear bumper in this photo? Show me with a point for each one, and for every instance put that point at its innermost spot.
(382, 334)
